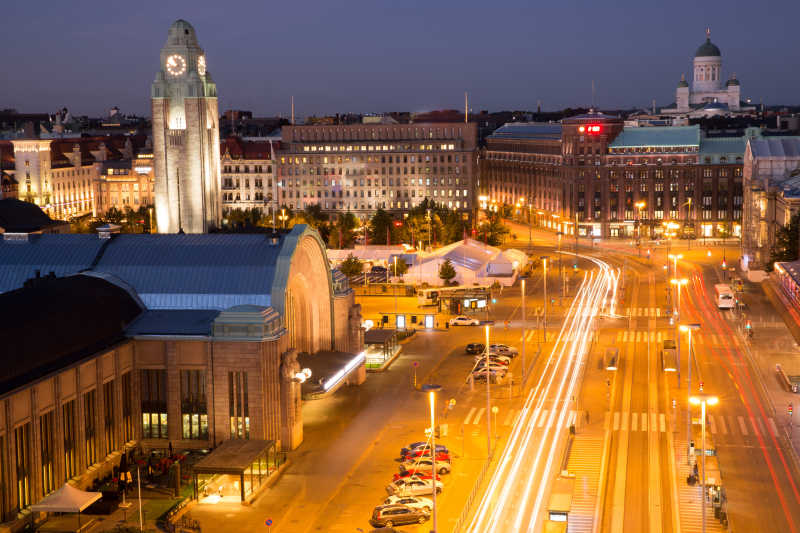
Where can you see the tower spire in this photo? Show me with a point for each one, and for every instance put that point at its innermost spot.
(708, 34)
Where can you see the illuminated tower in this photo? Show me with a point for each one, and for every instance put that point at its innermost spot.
(185, 137)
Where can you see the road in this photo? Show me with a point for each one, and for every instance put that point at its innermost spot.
(515, 497)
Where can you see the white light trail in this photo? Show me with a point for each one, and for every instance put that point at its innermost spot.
(515, 495)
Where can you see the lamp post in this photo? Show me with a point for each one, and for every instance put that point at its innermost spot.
(395, 290)
(544, 259)
(688, 328)
(702, 400)
(675, 258)
(488, 399)
(283, 218)
(524, 330)
(560, 268)
(432, 389)
(677, 315)
(639, 206)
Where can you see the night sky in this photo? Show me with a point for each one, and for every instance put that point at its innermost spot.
(376, 55)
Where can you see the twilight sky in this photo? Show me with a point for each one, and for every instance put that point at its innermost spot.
(382, 55)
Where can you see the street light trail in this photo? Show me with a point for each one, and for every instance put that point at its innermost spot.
(516, 492)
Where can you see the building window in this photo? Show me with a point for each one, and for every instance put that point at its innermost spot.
(90, 429)
(127, 407)
(47, 434)
(194, 414)
(154, 404)
(22, 458)
(108, 416)
(70, 462)
(238, 402)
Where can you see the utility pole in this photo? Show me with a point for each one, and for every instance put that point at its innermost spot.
(524, 330)
(544, 259)
(488, 403)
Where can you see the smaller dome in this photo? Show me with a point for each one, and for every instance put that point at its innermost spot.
(732, 80)
(708, 49)
(683, 82)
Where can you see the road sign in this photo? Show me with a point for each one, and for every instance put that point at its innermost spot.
(415, 363)
(268, 522)
(791, 409)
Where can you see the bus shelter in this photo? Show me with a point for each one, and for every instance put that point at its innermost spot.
(235, 470)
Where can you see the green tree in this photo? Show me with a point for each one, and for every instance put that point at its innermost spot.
(351, 266)
(787, 242)
(447, 272)
(380, 225)
(493, 230)
(341, 233)
(400, 268)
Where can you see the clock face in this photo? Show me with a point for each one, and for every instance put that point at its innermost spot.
(176, 65)
(201, 65)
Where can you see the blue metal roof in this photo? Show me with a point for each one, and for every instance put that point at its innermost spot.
(173, 322)
(727, 147)
(776, 147)
(527, 130)
(657, 136)
(62, 254)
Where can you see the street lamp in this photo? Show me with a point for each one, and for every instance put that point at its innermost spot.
(678, 284)
(524, 324)
(283, 218)
(639, 206)
(688, 328)
(544, 259)
(702, 400)
(675, 258)
(488, 399)
(432, 389)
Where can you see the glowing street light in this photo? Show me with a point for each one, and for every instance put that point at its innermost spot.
(675, 258)
(432, 389)
(639, 206)
(702, 400)
(688, 329)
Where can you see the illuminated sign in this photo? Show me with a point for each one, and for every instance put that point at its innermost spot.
(591, 129)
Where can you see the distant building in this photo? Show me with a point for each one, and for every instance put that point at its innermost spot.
(365, 167)
(17, 216)
(771, 195)
(247, 174)
(708, 95)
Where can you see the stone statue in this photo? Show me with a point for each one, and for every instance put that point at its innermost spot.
(289, 365)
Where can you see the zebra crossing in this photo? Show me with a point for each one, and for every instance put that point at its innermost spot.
(740, 425)
(636, 421)
(658, 336)
(689, 497)
(477, 416)
(585, 459)
(646, 312)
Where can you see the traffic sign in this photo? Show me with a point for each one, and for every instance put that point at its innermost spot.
(791, 409)
(268, 522)
(415, 364)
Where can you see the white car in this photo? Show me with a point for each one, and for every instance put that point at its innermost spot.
(425, 464)
(413, 486)
(503, 349)
(462, 320)
(415, 502)
(493, 365)
(494, 358)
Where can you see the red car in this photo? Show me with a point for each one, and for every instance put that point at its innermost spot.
(408, 473)
(440, 456)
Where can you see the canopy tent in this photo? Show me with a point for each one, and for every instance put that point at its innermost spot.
(67, 499)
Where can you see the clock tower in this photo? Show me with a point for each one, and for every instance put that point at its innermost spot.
(185, 137)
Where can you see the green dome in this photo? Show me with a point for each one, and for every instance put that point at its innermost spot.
(708, 49)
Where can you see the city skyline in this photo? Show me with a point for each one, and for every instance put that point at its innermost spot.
(366, 58)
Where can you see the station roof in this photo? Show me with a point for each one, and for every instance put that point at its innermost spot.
(657, 136)
(233, 456)
(195, 322)
(776, 147)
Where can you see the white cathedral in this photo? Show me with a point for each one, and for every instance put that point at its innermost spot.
(709, 94)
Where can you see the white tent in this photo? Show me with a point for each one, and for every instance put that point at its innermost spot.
(67, 499)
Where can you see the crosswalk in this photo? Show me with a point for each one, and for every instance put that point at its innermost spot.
(645, 312)
(658, 336)
(477, 416)
(585, 459)
(740, 425)
(636, 421)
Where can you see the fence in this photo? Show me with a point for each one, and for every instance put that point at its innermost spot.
(472, 495)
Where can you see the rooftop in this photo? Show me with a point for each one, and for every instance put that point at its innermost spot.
(233, 456)
(657, 136)
(776, 147)
(528, 130)
(17, 216)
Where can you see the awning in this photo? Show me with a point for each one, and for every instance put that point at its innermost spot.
(233, 456)
(67, 499)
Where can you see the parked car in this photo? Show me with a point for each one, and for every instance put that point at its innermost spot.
(415, 502)
(377, 269)
(426, 464)
(415, 454)
(494, 358)
(475, 347)
(413, 486)
(494, 375)
(462, 320)
(422, 445)
(389, 515)
(503, 349)
(412, 472)
(493, 365)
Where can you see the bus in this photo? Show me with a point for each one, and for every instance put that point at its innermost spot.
(724, 296)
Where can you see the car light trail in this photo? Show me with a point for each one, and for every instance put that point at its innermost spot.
(516, 492)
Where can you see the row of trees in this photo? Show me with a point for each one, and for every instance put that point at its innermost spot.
(426, 224)
(129, 220)
(352, 266)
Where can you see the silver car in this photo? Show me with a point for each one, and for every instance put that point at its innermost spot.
(425, 464)
(413, 486)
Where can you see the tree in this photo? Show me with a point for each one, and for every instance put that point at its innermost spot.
(400, 268)
(341, 235)
(447, 272)
(380, 226)
(493, 230)
(787, 242)
(351, 266)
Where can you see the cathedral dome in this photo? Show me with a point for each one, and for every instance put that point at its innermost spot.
(708, 49)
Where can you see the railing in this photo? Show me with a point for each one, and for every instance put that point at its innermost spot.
(472, 495)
